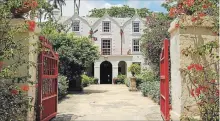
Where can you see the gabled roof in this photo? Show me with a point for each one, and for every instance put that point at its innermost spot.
(93, 22)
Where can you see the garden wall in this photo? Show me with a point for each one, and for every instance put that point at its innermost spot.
(182, 38)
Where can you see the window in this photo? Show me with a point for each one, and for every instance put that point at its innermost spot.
(106, 47)
(106, 26)
(136, 26)
(136, 45)
(75, 26)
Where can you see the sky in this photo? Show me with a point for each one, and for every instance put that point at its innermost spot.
(87, 5)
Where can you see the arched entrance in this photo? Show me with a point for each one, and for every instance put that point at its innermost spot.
(122, 68)
(106, 73)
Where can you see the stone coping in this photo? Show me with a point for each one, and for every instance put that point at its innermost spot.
(186, 21)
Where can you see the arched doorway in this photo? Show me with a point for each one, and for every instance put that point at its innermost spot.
(122, 68)
(106, 73)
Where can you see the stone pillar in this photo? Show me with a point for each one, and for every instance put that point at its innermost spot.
(132, 86)
(114, 71)
(181, 39)
(128, 65)
(97, 71)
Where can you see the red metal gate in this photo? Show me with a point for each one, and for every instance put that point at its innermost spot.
(47, 81)
(164, 81)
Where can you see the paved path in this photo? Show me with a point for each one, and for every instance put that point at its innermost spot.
(107, 102)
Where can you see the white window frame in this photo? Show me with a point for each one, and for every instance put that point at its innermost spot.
(105, 28)
(76, 26)
(135, 46)
(106, 44)
(135, 27)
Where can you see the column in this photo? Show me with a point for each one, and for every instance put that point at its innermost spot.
(97, 71)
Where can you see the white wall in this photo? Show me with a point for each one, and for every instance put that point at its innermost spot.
(115, 37)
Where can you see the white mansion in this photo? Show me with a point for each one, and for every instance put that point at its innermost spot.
(118, 41)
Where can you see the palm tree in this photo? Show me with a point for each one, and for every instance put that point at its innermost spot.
(58, 2)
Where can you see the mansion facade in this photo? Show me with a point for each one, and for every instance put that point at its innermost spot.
(118, 40)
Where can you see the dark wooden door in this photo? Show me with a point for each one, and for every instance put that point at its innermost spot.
(106, 73)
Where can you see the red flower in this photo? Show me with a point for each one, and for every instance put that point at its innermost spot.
(198, 90)
(31, 25)
(14, 92)
(172, 12)
(189, 3)
(198, 67)
(34, 4)
(212, 81)
(217, 92)
(192, 92)
(177, 25)
(204, 6)
(193, 19)
(25, 87)
(190, 66)
(202, 14)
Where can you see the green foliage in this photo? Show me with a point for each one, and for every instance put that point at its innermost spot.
(86, 80)
(135, 68)
(120, 79)
(151, 89)
(119, 12)
(13, 107)
(127, 82)
(63, 85)
(152, 39)
(145, 76)
(95, 81)
(14, 102)
(75, 54)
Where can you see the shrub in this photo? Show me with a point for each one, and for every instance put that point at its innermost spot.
(144, 76)
(135, 69)
(86, 80)
(121, 79)
(151, 89)
(127, 82)
(63, 84)
(95, 80)
(13, 102)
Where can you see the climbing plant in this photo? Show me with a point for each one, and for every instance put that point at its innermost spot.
(15, 80)
(202, 77)
(152, 39)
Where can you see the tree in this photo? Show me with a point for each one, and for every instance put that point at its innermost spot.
(153, 37)
(119, 12)
(75, 54)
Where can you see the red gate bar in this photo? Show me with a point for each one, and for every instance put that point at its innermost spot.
(47, 81)
(164, 81)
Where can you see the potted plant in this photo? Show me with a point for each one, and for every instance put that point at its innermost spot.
(134, 69)
(115, 80)
(24, 7)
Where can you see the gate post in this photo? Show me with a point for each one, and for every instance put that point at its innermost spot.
(182, 103)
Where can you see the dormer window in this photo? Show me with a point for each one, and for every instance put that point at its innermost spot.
(136, 26)
(75, 26)
(106, 26)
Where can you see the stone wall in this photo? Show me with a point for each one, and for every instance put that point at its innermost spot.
(182, 38)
